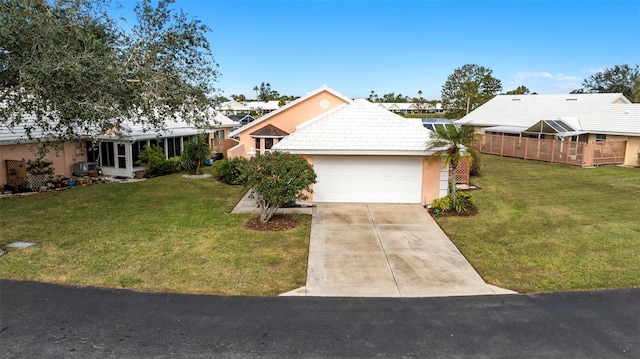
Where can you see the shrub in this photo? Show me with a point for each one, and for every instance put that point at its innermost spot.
(177, 164)
(464, 203)
(443, 204)
(153, 159)
(231, 171)
(278, 178)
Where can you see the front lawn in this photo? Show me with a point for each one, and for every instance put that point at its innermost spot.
(164, 234)
(547, 227)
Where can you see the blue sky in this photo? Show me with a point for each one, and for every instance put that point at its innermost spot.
(355, 46)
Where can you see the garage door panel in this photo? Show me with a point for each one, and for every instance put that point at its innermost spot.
(368, 179)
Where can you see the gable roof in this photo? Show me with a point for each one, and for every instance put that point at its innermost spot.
(593, 113)
(358, 128)
(234, 105)
(269, 131)
(288, 106)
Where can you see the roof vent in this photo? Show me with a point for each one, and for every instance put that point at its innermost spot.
(572, 99)
(516, 99)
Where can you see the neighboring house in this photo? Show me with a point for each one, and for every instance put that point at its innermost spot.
(118, 154)
(234, 108)
(411, 108)
(263, 107)
(578, 123)
(363, 153)
(16, 149)
(223, 125)
(241, 119)
(220, 139)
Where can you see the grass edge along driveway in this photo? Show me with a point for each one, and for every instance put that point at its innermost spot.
(548, 227)
(164, 234)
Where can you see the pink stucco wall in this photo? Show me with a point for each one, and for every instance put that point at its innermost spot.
(289, 118)
(63, 160)
(430, 180)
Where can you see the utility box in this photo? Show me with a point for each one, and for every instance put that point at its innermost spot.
(81, 169)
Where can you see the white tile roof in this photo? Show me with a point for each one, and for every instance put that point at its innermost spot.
(224, 121)
(130, 130)
(268, 105)
(358, 128)
(287, 106)
(234, 106)
(594, 113)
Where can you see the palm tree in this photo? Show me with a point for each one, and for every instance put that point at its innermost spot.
(195, 153)
(451, 144)
(255, 88)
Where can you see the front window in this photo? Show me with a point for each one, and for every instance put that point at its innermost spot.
(219, 134)
(601, 138)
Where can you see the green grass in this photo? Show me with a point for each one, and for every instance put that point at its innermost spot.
(547, 227)
(164, 234)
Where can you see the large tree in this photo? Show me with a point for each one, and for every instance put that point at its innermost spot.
(520, 90)
(67, 63)
(618, 79)
(467, 88)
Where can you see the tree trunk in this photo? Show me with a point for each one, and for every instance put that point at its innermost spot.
(452, 183)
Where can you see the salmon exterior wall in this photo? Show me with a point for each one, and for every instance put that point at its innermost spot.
(63, 159)
(288, 119)
(430, 180)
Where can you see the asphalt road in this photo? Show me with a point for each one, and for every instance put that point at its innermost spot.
(51, 321)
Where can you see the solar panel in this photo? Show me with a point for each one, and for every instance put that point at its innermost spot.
(560, 126)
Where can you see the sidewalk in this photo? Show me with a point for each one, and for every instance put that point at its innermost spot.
(248, 205)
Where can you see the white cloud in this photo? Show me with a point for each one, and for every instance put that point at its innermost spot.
(546, 82)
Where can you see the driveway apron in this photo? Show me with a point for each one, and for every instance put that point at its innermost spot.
(385, 250)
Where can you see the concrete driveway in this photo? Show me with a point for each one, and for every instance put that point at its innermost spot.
(385, 250)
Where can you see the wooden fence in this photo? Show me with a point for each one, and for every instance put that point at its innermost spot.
(555, 151)
(16, 172)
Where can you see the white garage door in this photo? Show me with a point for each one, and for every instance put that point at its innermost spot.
(368, 179)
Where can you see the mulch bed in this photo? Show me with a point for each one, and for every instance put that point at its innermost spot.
(279, 222)
(471, 212)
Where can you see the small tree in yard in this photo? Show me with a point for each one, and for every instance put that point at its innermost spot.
(278, 178)
(196, 152)
(451, 144)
